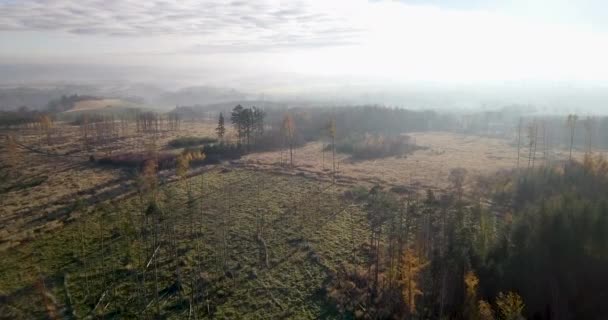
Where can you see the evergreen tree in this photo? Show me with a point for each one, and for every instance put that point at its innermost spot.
(220, 130)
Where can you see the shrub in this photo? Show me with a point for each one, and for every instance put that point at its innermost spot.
(368, 146)
(184, 142)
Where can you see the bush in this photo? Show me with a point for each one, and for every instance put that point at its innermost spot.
(365, 147)
(185, 142)
(214, 153)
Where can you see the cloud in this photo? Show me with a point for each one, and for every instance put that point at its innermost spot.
(254, 24)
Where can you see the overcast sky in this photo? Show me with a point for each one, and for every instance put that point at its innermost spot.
(375, 42)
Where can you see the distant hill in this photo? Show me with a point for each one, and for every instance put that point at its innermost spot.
(102, 103)
(200, 96)
(33, 98)
(208, 110)
(38, 98)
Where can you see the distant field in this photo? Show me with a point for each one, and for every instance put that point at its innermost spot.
(427, 168)
(96, 104)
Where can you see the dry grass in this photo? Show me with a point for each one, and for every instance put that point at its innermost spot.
(94, 104)
(427, 168)
(40, 190)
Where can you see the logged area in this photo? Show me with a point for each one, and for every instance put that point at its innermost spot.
(299, 214)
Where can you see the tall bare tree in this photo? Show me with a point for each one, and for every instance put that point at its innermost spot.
(571, 123)
(289, 130)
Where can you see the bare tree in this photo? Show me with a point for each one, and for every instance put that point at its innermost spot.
(289, 129)
(571, 123)
(519, 140)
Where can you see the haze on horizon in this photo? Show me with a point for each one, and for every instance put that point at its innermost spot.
(280, 47)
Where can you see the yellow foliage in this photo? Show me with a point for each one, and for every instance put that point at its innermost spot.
(184, 159)
(509, 306)
(471, 281)
(410, 272)
(485, 310)
(597, 165)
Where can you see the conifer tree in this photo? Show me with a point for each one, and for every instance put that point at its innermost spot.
(221, 129)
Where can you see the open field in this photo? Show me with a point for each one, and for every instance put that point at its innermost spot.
(96, 104)
(427, 168)
(284, 238)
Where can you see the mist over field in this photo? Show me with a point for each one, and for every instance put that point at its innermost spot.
(306, 159)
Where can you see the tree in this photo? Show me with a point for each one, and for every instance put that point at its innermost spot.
(589, 124)
(332, 134)
(289, 129)
(220, 130)
(532, 140)
(246, 120)
(509, 306)
(236, 117)
(457, 178)
(470, 306)
(519, 140)
(485, 310)
(258, 121)
(46, 124)
(410, 272)
(571, 123)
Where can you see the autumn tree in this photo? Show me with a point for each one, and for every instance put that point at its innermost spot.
(509, 306)
(485, 310)
(46, 125)
(411, 270)
(470, 305)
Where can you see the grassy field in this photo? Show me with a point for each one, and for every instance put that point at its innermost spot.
(96, 104)
(251, 245)
(424, 169)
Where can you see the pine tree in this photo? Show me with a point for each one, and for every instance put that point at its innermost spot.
(220, 130)
(236, 117)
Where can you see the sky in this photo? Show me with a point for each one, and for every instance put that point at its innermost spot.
(288, 45)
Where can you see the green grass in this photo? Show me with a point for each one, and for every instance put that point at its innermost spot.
(308, 235)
